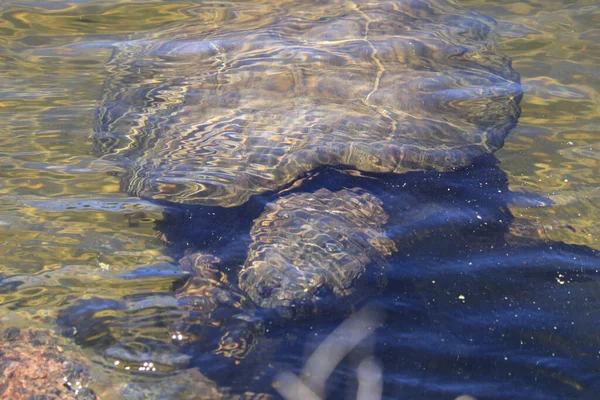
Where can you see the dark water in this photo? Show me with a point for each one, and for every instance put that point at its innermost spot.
(493, 291)
(470, 308)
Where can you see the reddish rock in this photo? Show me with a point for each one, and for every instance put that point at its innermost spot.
(33, 365)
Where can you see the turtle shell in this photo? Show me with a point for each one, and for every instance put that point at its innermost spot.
(215, 112)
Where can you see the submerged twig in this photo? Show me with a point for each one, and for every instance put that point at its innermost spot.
(322, 363)
(339, 344)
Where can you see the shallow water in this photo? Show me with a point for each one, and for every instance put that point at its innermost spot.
(496, 296)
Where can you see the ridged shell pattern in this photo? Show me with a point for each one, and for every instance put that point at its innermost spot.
(214, 113)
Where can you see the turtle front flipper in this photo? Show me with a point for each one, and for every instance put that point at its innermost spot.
(130, 334)
(317, 252)
(152, 333)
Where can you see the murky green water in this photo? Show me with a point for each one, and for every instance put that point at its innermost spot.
(66, 228)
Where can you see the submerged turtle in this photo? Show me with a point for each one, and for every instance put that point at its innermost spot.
(214, 114)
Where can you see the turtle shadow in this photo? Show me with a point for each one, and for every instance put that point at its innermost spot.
(431, 214)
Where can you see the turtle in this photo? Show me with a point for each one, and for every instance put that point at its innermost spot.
(223, 113)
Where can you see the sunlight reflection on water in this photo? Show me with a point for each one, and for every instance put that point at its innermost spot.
(504, 313)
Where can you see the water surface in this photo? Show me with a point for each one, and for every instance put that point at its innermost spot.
(499, 299)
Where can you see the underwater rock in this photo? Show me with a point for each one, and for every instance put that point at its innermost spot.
(33, 365)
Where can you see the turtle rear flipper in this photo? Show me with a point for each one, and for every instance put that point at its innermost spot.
(315, 253)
